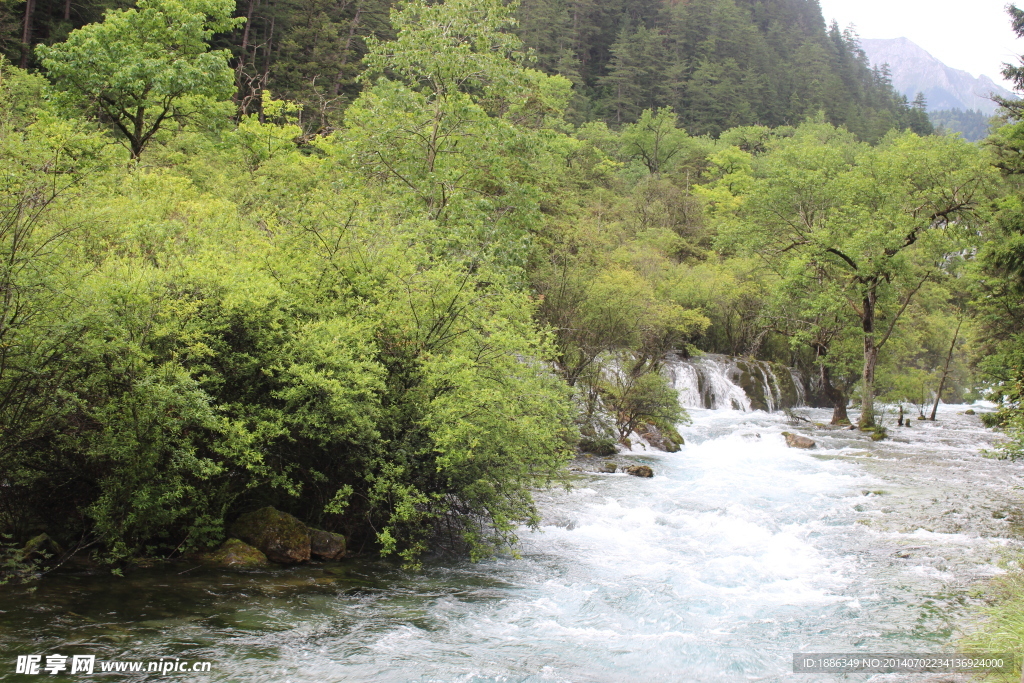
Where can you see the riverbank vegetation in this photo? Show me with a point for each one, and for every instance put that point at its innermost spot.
(1001, 628)
(394, 303)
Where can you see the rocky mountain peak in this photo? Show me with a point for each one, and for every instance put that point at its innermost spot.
(915, 70)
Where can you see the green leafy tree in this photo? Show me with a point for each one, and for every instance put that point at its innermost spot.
(872, 224)
(459, 138)
(999, 276)
(654, 139)
(142, 67)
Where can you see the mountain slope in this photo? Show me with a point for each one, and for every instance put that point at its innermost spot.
(914, 71)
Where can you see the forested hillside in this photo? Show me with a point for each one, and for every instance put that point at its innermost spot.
(396, 313)
(718, 63)
(973, 125)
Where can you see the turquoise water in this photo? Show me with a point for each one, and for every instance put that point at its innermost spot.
(738, 553)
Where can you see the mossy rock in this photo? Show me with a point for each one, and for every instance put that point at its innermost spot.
(751, 381)
(280, 536)
(326, 545)
(234, 553)
(789, 397)
(609, 468)
(879, 434)
(599, 446)
(673, 434)
(658, 438)
(640, 471)
(41, 547)
(969, 411)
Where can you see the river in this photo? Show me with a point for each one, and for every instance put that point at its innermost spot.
(738, 553)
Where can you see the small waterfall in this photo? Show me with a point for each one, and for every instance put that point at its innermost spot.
(772, 393)
(685, 378)
(714, 381)
(798, 382)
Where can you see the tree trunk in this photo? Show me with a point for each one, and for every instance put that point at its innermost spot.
(834, 396)
(867, 407)
(945, 369)
(839, 416)
(268, 51)
(26, 33)
(242, 53)
(348, 46)
(137, 139)
(67, 10)
(867, 404)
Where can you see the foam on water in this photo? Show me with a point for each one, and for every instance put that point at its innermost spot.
(739, 552)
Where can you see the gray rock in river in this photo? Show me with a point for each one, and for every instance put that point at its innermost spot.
(325, 545)
(280, 536)
(797, 441)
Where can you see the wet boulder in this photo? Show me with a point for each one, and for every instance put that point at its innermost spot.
(280, 536)
(609, 468)
(789, 396)
(234, 553)
(657, 439)
(326, 545)
(798, 441)
(750, 377)
(640, 471)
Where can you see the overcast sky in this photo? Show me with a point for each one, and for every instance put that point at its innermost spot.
(973, 35)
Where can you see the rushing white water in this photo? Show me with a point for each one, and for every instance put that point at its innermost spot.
(738, 553)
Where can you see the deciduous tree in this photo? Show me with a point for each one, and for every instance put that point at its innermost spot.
(142, 67)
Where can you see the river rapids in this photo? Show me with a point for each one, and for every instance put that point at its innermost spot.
(737, 554)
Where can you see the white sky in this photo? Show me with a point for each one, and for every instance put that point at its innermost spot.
(972, 35)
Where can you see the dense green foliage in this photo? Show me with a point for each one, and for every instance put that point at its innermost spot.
(232, 344)
(400, 326)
